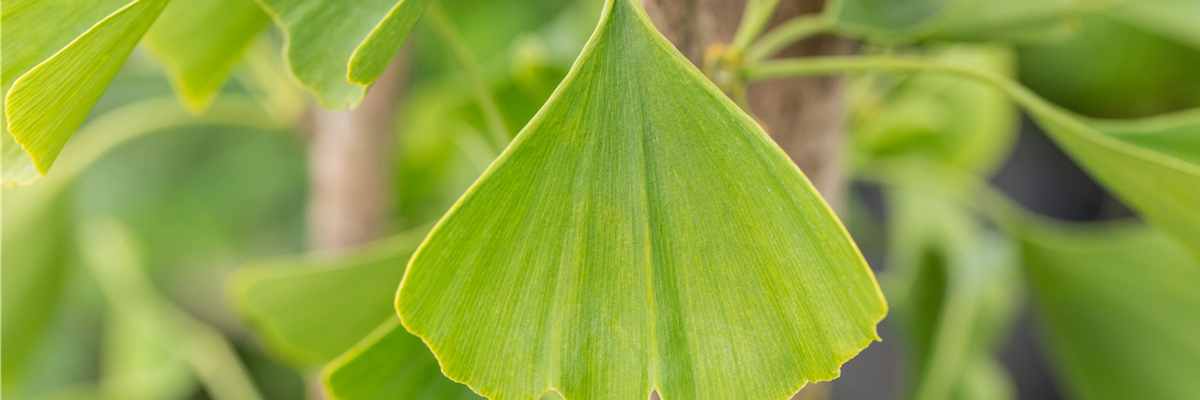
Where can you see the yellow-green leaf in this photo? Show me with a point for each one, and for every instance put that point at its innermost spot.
(390, 363)
(336, 48)
(46, 105)
(1121, 309)
(641, 233)
(311, 309)
(32, 31)
(200, 41)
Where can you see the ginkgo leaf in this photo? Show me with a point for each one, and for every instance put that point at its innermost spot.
(200, 41)
(1121, 310)
(32, 31)
(46, 105)
(337, 49)
(1152, 164)
(390, 363)
(311, 309)
(641, 233)
(1114, 69)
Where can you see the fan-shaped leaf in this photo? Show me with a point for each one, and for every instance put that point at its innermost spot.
(200, 41)
(32, 31)
(1121, 310)
(312, 309)
(640, 233)
(46, 105)
(390, 363)
(337, 49)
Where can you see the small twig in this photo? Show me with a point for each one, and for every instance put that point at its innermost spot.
(792, 31)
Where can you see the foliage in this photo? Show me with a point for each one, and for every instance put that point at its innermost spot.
(640, 233)
(1120, 284)
(618, 146)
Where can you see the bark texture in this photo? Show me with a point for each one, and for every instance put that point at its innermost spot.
(349, 156)
(804, 115)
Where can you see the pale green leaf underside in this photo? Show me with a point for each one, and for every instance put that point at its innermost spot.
(390, 363)
(32, 31)
(640, 233)
(200, 41)
(1122, 310)
(338, 48)
(45, 106)
(311, 309)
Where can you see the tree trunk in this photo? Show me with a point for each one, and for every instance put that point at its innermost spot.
(806, 116)
(350, 173)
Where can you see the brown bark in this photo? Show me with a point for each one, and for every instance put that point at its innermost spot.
(804, 115)
(349, 156)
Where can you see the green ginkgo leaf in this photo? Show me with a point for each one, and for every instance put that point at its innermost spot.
(390, 363)
(1115, 69)
(199, 41)
(46, 105)
(1121, 310)
(31, 31)
(641, 233)
(311, 309)
(336, 48)
(1152, 164)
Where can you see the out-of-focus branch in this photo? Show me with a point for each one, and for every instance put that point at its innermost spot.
(349, 165)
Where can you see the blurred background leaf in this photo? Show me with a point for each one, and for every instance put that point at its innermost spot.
(960, 122)
(38, 119)
(199, 64)
(1120, 309)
